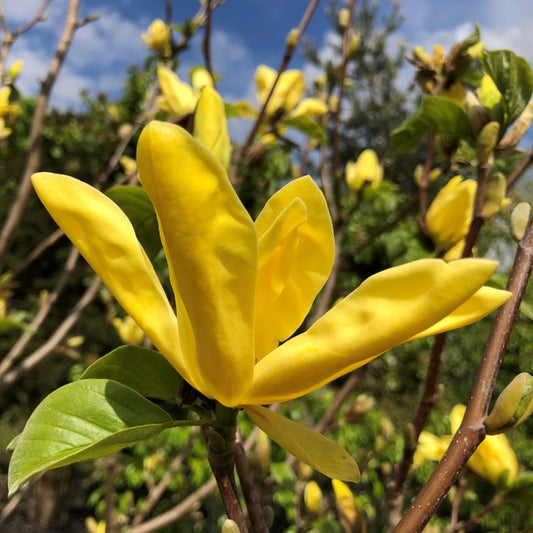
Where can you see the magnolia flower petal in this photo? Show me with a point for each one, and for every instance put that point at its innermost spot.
(480, 304)
(309, 107)
(385, 310)
(296, 251)
(179, 97)
(308, 446)
(105, 237)
(210, 126)
(211, 248)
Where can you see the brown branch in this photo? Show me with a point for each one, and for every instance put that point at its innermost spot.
(158, 490)
(43, 312)
(472, 431)
(33, 159)
(289, 51)
(248, 488)
(206, 43)
(59, 334)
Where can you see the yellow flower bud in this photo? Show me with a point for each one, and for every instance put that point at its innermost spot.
(343, 17)
(433, 175)
(486, 141)
(423, 56)
(14, 70)
(488, 92)
(513, 406)
(128, 330)
(292, 40)
(450, 214)
(128, 164)
(494, 200)
(313, 497)
(158, 38)
(365, 171)
(519, 220)
(353, 43)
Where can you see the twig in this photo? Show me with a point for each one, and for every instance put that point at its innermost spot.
(472, 431)
(248, 488)
(62, 330)
(39, 318)
(36, 135)
(157, 492)
(457, 499)
(206, 43)
(109, 515)
(289, 51)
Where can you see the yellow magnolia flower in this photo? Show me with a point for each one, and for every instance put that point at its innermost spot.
(4, 131)
(128, 164)
(128, 331)
(493, 458)
(158, 38)
(365, 171)
(450, 214)
(243, 287)
(179, 97)
(287, 94)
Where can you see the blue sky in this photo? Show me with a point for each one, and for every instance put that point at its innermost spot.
(246, 33)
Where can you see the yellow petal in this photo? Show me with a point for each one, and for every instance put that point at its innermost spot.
(179, 97)
(296, 251)
(308, 446)
(211, 248)
(105, 237)
(288, 91)
(480, 304)
(493, 458)
(210, 127)
(430, 448)
(201, 78)
(385, 310)
(309, 107)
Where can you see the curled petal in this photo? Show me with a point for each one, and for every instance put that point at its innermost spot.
(480, 304)
(309, 106)
(307, 445)
(211, 248)
(385, 310)
(296, 251)
(105, 237)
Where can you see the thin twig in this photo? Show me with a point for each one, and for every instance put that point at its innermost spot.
(33, 159)
(206, 43)
(472, 431)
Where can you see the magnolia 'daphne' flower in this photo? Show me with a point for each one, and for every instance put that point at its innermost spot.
(243, 287)
(493, 460)
(365, 171)
(158, 38)
(178, 97)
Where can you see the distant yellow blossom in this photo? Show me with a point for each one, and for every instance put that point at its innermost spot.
(158, 38)
(365, 171)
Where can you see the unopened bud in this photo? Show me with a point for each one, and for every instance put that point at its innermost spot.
(433, 175)
(343, 17)
(477, 114)
(519, 220)
(486, 141)
(292, 40)
(494, 200)
(230, 526)
(14, 70)
(513, 406)
(421, 54)
(313, 497)
(353, 44)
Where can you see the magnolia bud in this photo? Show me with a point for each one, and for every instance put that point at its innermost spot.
(230, 526)
(513, 406)
(486, 141)
(519, 220)
(353, 43)
(494, 199)
(292, 40)
(313, 497)
(343, 17)
(477, 114)
(433, 175)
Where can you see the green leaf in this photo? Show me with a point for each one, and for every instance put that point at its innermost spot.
(143, 370)
(435, 114)
(82, 421)
(307, 126)
(514, 79)
(134, 201)
(241, 109)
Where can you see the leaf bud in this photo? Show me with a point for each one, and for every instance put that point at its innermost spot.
(519, 220)
(486, 141)
(513, 406)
